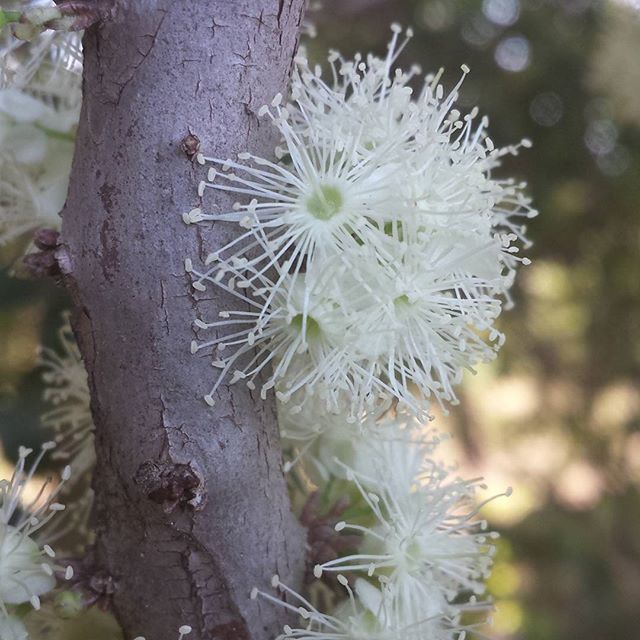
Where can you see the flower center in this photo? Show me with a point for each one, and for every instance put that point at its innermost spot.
(312, 327)
(325, 203)
(402, 302)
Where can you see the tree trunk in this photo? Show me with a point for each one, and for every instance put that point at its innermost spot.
(191, 505)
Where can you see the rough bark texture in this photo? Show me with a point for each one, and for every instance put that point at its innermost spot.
(192, 509)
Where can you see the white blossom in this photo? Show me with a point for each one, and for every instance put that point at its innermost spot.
(425, 552)
(427, 543)
(49, 67)
(366, 614)
(40, 95)
(301, 335)
(328, 444)
(26, 561)
(360, 329)
(330, 199)
(376, 253)
(67, 393)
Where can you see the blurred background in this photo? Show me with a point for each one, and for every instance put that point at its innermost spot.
(557, 417)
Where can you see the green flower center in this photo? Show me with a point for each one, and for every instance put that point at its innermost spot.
(325, 203)
(404, 307)
(313, 330)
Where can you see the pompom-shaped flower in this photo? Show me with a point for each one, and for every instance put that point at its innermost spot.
(423, 553)
(40, 97)
(300, 332)
(67, 393)
(327, 200)
(419, 320)
(427, 543)
(360, 331)
(368, 613)
(376, 252)
(26, 563)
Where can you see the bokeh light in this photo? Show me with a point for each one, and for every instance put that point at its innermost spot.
(502, 12)
(546, 109)
(513, 53)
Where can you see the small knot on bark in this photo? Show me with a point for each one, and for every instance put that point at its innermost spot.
(190, 145)
(43, 263)
(94, 584)
(171, 485)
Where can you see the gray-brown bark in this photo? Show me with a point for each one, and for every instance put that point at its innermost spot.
(192, 509)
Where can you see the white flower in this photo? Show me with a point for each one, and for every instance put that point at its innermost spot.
(380, 234)
(328, 444)
(420, 320)
(422, 542)
(12, 629)
(68, 394)
(26, 563)
(426, 544)
(69, 418)
(359, 328)
(328, 200)
(40, 95)
(300, 336)
(447, 158)
(50, 67)
(367, 614)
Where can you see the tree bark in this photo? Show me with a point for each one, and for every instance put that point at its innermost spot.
(191, 505)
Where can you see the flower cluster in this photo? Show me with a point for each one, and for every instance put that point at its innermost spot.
(67, 392)
(69, 419)
(40, 95)
(27, 563)
(375, 254)
(423, 552)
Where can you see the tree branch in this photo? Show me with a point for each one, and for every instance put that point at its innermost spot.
(191, 505)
